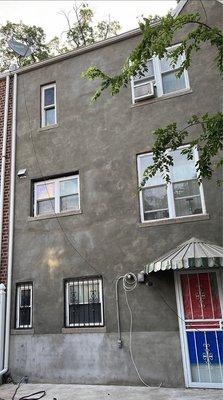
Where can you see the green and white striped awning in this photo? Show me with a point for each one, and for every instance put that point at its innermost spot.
(193, 253)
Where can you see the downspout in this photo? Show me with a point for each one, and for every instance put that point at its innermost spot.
(11, 230)
(5, 127)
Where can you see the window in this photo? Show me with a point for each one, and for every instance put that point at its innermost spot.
(159, 80)
(48, 105)
(84, 303)
(182, 197)
(57, 195)
(24, 305)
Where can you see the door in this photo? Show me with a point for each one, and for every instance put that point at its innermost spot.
(199, 300)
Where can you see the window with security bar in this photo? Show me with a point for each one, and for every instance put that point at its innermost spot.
(24, 305)
(57, 195)
(159, 78)
(182, 197)
(84, 302)
(48, 105)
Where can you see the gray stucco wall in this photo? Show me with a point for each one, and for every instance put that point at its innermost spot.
(101, 141)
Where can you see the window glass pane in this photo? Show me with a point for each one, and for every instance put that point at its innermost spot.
(45, 190)
(25, 297)
(144, 162)
(155, 199)
(146, 74)
(24, 316)
(69, 203)
(69, 187)
(165, 64)
(183, 168)
(171, 83)
(187, 188)
(188, 206)
(49, 96)
(50, 116)
(45, 206)
(85, 314)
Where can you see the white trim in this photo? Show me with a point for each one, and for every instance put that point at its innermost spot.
(57, 195)
(170, 192)
(77, 282)
(20, 288)
(182, 323)
(45, 108)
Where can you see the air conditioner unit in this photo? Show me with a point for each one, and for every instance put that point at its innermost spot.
(144, 91)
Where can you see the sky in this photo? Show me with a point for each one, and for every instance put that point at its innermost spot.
(47, 13)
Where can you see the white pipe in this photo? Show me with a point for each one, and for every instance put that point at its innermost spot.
(11, 229)
(2, 322)
(5, 127)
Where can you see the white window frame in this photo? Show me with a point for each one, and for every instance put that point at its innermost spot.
(170, 193)
(19, 289)
(78, 282)
(158, 79)
(44, 108)
(57, 196)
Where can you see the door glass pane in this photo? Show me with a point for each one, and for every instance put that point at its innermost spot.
(155, 199)
(171, 83)
(69, 186)
(144, 162)
(49, 96)
(183, 168)
(50, 116)
(45, 190)
(69, 203)
(45, 206)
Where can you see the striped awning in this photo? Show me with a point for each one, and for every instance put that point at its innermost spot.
(193, 253)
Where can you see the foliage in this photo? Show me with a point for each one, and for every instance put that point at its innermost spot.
(157, 35)
(33, 36)
(82, 31)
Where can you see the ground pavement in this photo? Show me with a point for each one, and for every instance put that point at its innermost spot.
(95, 392)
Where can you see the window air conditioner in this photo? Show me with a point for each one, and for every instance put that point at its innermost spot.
(144, 91)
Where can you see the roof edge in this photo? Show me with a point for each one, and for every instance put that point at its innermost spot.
(86, 49)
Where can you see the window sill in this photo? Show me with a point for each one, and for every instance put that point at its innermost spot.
(93, 329)
(48, 127)
(179, 220)
(56, 215)
(164, 97)
(21, 331)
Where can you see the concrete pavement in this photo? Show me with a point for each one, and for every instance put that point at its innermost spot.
(90, 392)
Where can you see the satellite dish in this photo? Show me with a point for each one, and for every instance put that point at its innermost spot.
(20, 48)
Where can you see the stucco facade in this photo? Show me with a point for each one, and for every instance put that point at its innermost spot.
(102, 141)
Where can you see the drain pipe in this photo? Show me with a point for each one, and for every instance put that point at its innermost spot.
(5, 127)
(11, 229)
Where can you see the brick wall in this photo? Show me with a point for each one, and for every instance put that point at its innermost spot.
(5, 230)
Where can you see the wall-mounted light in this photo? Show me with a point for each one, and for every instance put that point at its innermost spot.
(22, 173)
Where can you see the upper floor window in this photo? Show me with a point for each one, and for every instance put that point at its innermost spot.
(24, 305)
(84, 302)
(57, 195)
(181, 197)
(48, 105)
(160, 79)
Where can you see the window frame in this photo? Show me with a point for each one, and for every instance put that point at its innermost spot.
(44, 108)
(19, 288)
(57, 196)
(70, 282)
(158, 83)
(170, 192)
